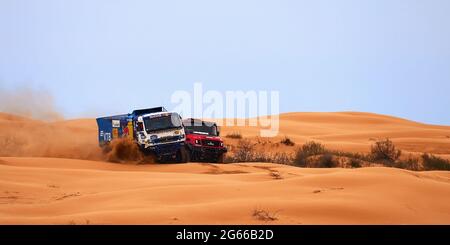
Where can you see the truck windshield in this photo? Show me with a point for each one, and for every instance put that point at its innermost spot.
(162, 123)
(201, 129)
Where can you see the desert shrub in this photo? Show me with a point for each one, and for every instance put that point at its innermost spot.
(432, 162)
(282, 158)
(326, 161)
(385, 151)
(234, 135)
(410, 163)
(355, 163)
(306, 150)
(279, 157)
(245, 152)
(287, 141)
(352, 155)
(259, 157)
(264, 215)
(314, 154)
(275, 174)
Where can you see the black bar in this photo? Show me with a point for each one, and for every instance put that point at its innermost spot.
(168, 233)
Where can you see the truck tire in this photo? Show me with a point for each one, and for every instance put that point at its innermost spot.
(220, 158)
(183, 155)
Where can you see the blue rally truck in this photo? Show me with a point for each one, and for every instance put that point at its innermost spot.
(155, 130)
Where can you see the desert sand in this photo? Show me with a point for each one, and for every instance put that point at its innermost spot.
(54, 173)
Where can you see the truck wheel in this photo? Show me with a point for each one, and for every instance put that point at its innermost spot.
(220, 158)
(183, 155)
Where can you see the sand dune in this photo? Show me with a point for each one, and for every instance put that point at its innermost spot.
(62, 191)
(43, 180)
(356, 131)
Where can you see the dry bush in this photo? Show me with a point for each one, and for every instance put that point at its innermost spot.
(245, 151)
(264, 215)
(355, 163)
(281, 158)
(234, 135)
(432, 162)
(315, 155)
(410, 163)
(306, 150)
(278, 157)
(352, 155)
(259, 157)
(326, 161)
(287, 141)
(275, 174)
(385, 151)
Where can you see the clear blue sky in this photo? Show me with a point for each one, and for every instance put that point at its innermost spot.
(100, 57)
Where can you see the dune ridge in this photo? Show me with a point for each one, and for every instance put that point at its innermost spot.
(356, 131)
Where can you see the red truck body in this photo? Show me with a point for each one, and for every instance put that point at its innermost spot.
(203, 141)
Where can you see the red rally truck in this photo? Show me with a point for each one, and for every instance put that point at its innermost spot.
(203, 140)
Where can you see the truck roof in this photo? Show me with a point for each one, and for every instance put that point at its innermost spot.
(153, 110)
(156, 114)
(136, 113)
(197, 122)
(115, 117)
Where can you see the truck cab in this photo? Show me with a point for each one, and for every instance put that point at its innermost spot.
(161, 133)
(203, 140)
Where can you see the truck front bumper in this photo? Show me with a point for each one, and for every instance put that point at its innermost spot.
(205, 152)
(168, 149)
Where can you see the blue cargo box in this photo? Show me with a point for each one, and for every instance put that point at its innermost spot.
(112, 127)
